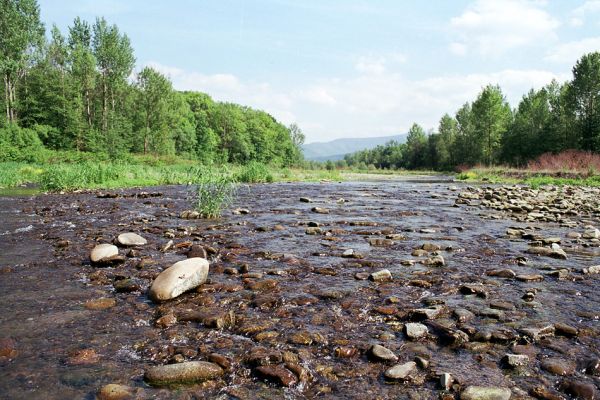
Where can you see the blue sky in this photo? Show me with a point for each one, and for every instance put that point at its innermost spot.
(350, 68)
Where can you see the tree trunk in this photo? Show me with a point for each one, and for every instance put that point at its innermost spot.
(104, 105)
(7, 97)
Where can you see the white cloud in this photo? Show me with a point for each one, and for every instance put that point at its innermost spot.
(579, 14)
(370, 65)
(495, 27)
(366, 105)
(569, 53)
(378, 64)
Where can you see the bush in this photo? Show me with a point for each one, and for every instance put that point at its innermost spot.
(254, 172)
(569, 161)
(215, 192)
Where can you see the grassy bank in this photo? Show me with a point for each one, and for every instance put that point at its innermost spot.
(532, 178)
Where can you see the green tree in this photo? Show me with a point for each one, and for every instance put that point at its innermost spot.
(154, 100)
(491, 118)
(584, 95)
(416, 146)
(115, 60)
(20, 32)
(445, 143)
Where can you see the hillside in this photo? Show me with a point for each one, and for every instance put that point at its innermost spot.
(336, 149)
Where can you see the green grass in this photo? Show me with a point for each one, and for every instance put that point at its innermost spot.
(532, 178)
(216, 190)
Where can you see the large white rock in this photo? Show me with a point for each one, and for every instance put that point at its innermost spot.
(179, 278)
(103, 251)
(131, 239)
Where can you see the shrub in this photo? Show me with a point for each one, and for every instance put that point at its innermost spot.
(215, 192)
(254, 172)
(569, 160)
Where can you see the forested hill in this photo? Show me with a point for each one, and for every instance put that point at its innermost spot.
(555, 118)
(72, 91)
(336, 149)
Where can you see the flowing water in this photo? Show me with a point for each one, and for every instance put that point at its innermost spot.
(312, 292)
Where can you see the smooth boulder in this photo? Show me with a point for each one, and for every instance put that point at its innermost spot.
(131, 239)
(179, 278)
(103, 251)
(185, 372)
(485, 393)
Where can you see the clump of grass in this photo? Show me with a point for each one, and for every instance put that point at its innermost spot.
(215, 192)
(254, 172)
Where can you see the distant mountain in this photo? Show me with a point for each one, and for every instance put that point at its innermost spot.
(336, 149)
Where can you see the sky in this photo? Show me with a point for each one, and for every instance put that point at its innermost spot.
(350, 68)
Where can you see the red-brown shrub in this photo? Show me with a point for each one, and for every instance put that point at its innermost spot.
(568, 160)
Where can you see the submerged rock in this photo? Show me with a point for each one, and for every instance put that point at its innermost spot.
(415, 330)
(179, 278)
(186, 372)
(114, 391)
(131, 239)
(485, 393)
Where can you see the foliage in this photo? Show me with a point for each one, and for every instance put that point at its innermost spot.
(254, 172)
(216, 191)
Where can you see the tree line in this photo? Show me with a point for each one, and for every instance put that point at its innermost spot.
(488, 131)
(78, 91)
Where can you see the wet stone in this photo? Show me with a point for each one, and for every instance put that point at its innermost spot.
(383, 275)
(380, 353)
(103, 251)
(558, 366)
(485, 393)
(319, 210)
(277, 374)
(502, 273)
(102, 303)
(415, 330)
(179, 278)
(114, 391)
(401, 371)
(580, 390)
(516, 360)
(131, 239)
(185, 372)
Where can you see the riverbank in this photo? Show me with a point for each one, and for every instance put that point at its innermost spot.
(532, 178)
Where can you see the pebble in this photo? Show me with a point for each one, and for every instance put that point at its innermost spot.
(319, 210)
(114, 391)
(102, 303)
(594, 269)
(383, 275)
(103, 251)
(516, 360)
(131, 239)
(401, 371)
(502, 273)
(185, 372)
(179, 278)
(485, 393)
(380, 353)
(558, 366)
(277, 374)
(580, 390)
(415, 330)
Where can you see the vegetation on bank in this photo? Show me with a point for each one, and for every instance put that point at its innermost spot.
(487, 131)
(74, 91)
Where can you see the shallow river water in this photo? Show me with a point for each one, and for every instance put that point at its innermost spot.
(280, 295)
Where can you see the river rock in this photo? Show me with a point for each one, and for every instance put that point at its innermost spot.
(516, 360)
(179, 278)
(277, 374)
(381, 353)
(185, 372)
(591, 234)
(103, 251)
(102, 303)
(401, 371)
(415, 330)
(580, 390)
(594, 269)
(558, 366)
(114, 391)
(381, 276)
(131, 239)
(485, 393)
